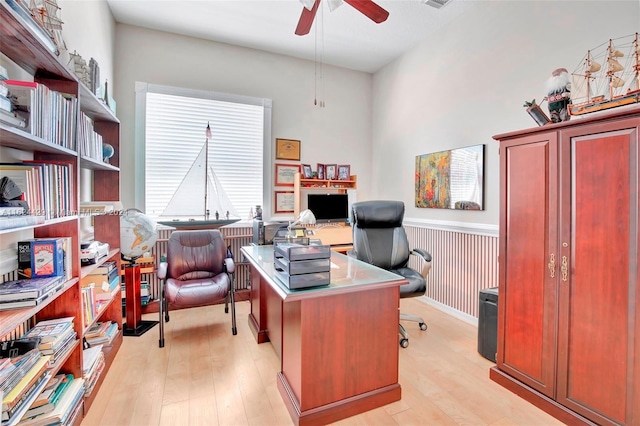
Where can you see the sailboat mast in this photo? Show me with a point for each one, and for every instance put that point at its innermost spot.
(588, 76)
(636, 50)
(206, 170)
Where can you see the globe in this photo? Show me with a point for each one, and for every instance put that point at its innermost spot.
(107, 152)
(138, 234)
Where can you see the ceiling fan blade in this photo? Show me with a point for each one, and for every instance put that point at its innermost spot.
(306, 19)
(370, 9)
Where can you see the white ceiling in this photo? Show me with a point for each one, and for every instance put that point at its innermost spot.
(350, 39)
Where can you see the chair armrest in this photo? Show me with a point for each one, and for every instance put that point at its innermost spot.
(229, 265)
(422, 253)
(162, 270)
(426, 256)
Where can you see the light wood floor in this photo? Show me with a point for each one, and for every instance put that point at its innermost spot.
(206, 376)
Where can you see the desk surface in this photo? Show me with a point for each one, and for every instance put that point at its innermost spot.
(347, 274)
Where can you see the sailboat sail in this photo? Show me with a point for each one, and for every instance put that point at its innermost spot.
(189, 198)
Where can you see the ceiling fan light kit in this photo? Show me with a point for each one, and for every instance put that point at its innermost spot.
(435, 3)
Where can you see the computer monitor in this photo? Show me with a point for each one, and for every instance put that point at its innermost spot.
(329, 207)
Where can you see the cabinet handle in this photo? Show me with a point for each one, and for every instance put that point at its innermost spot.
(552, 265)
(565, 268)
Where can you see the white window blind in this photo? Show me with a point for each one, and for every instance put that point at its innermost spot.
(175, 137)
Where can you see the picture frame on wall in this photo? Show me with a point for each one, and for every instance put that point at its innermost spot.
(344, 172)
(330, 171)
(320, 169)
(288, 149)
(307, 172)
(284, 201)
(285, 174)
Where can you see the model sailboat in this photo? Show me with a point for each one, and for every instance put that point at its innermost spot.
(608, 77)
(200, 195)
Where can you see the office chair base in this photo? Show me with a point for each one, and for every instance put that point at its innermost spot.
(143, 327)
(161, 343)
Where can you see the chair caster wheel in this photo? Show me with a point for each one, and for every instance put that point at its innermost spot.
(423, 326)
(404, 343)
(234, 331)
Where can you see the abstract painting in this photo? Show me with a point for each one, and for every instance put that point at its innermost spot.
(451, 179)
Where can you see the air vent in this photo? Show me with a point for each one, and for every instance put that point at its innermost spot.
(436, 3)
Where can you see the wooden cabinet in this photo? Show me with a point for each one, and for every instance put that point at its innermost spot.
(23, 46)
(569, 297)
(302, 186)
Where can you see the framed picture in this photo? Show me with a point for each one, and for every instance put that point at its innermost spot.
(344, 172)
(307, 173)
(287, 149)
(285, 174)
(330, 171)
(320, 171)
(284, 201)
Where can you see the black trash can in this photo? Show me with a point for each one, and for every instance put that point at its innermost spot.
(488, 323)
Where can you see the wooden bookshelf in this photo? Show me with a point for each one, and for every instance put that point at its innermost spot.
(303, 186)
(24, 47)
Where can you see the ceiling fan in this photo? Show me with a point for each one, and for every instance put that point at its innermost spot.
(367, 7)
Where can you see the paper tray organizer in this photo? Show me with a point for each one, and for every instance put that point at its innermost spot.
(301, 266)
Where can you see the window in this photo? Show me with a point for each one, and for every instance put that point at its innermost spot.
(179, 162)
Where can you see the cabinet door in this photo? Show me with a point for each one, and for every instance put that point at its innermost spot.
(598, 295)
(528, 260)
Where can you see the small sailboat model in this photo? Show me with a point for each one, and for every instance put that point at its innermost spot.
(608, 77)
(200, 183)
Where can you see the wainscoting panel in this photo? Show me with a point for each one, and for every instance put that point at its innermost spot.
(464, 262)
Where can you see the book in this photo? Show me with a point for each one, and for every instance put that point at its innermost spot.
(13, 396)
(18, 347)
(12, 211)
(49, 397)
(31, 302)
(12, 119)
(105, 268)
(11, 222)
(5, 104)
(50, 330)
(27, 397)
(62, 409)
(28, 288)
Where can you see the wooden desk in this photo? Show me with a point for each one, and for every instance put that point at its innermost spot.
(338, 344)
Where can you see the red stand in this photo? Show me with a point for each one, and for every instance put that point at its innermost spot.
(134, 326)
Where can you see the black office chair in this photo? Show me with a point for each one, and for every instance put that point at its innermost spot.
(198, 271)
(380, 239)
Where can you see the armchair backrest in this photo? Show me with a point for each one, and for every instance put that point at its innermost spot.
(195, 254)
(378, 235)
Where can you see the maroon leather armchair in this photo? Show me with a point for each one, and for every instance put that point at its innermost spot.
(197, 271)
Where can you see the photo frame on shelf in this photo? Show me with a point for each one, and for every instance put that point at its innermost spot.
(284, 201)
(285, 174)
(288, 149)
(320, 169)
(344, 172)
(330, 171)
(307, 172)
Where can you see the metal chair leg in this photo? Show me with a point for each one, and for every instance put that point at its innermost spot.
(160, 313)
(231, 294)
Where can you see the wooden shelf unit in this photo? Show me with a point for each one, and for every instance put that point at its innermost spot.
(301, 186)
(24, 48)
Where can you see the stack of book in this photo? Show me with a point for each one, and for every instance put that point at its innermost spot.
(28, 292)
(101, 333)
(92, 365)
(104, 278)
(46, 401)
(7, 115)
(65, 410)
(57, 337)
(23, 377)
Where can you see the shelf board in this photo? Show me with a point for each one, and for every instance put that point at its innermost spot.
(87, 270)
(95, 109)
(46, 223)
(90, 163)
(10, 319)
(19, 139)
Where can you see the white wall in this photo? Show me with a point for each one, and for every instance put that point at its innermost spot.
(469, 82)
(339, 133)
